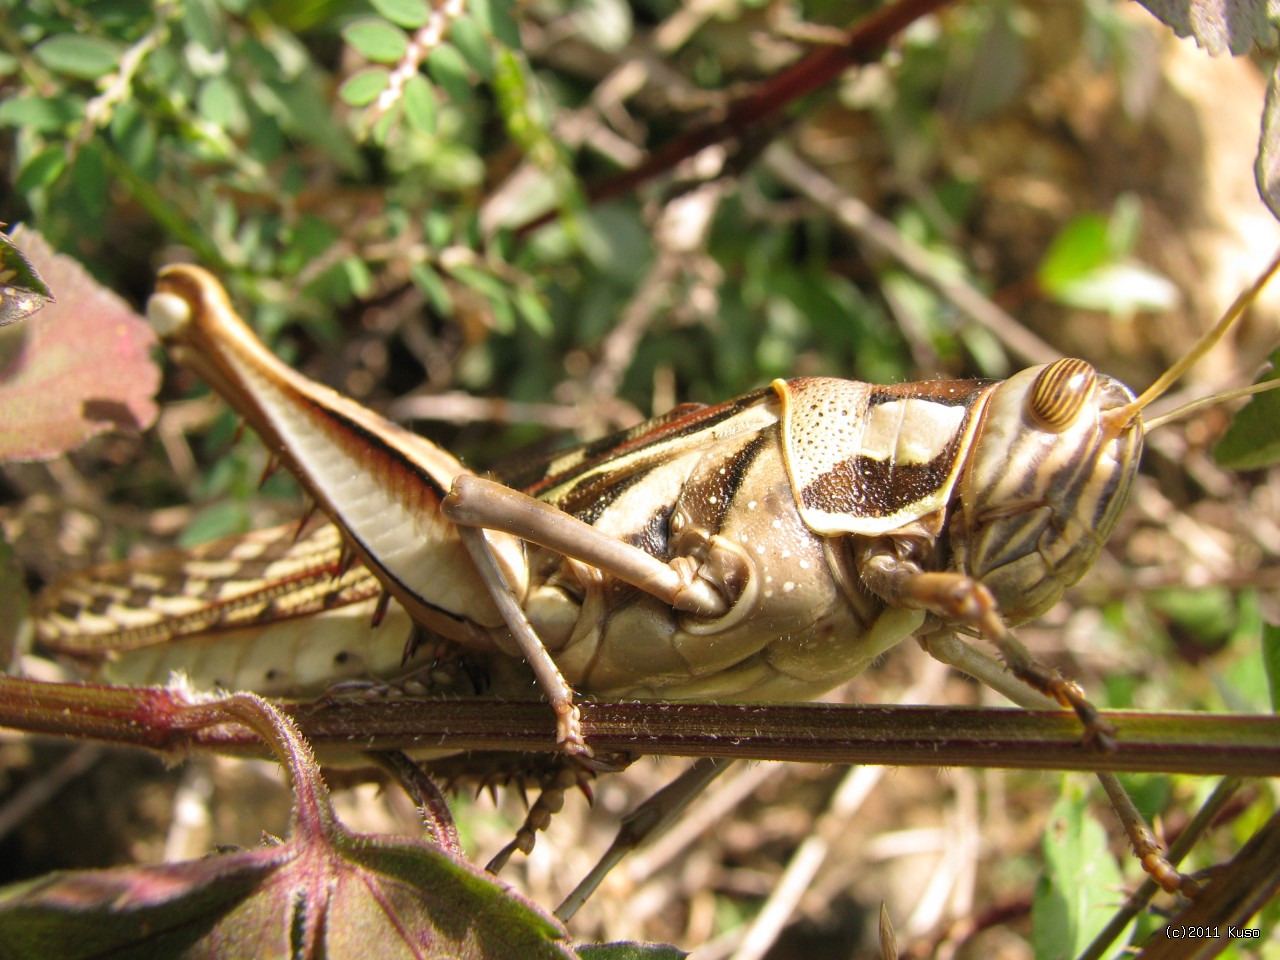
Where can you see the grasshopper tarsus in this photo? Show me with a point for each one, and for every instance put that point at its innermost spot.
(569, 734)
(1167, 876)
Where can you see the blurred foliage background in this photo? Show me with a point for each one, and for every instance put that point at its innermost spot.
(427, 207)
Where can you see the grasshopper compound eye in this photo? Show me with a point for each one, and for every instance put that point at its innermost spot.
(1060, 392)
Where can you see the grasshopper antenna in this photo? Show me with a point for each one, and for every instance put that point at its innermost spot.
(1119, 418)
(1189, 408)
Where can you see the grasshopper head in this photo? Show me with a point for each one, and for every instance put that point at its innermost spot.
(1050, 470)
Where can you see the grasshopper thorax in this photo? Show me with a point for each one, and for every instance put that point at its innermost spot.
(1047, 476)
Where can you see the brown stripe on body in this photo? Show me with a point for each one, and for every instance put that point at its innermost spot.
(595, 493)
(657, 437)
(720, 489)
(866, 487)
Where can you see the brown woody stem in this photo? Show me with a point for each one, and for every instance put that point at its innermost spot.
(163, 719)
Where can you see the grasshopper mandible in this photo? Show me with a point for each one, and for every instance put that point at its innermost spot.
(765, 548)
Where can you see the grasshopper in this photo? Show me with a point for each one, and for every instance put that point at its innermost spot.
(765, 548)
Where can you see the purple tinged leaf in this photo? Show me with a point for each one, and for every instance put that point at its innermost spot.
(82, 367)
(1266, 170)
(1217, 25)
(324, 892)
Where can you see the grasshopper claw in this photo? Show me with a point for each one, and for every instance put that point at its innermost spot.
(569, 731)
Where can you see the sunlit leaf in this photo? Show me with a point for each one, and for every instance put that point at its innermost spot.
(1271, 662)
(1076, 895)
(606, 23)
(219, 102)
(84, 365)
(1119, 288)
(1078, 248)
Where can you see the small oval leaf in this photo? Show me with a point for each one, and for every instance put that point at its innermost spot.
(362, 88)
(377, 40)
(409, 14)
(80, 56)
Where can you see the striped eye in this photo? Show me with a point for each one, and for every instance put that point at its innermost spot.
(1060, 392)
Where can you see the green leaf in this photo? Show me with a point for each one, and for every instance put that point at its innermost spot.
(91, 181)
(364, 86)
(359, 278)
(1079, 248)
(1076, 896)
(473, 46)
(429, 282)
(377, 40)
(494, 18)
(41, 114)
(1271, 662)
(1119, 288)
(449, 70)
(1253, 439)
(218, 101)
(79, 55)
(409, 14)
(534, 311)
(202, 24)
(420, 104)
(42, 169)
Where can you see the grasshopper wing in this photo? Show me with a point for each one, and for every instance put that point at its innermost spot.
(280, 611)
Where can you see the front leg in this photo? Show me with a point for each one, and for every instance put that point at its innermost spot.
(961, 600)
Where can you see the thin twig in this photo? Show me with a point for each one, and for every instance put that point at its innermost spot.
(881, 235)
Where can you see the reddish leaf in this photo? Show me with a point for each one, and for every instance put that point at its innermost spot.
(81, 366)
(323, 893)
